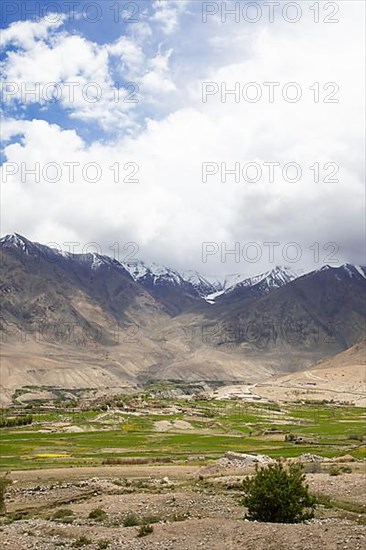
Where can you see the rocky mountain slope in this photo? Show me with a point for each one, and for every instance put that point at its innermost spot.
(237, 288)
(89, 321)
(324, 311)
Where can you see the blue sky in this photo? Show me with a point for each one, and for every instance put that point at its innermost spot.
(100, 23)
(167, 56)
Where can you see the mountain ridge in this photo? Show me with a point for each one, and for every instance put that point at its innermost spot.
(208, 288)
(126, 332)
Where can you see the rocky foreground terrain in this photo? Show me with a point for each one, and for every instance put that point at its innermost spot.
(186, 506)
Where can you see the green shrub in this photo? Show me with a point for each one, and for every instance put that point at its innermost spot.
(98, 514)
(144, 530)
(4, 482)
(81, 541)
(18, 516)
(277, 495)
(103, 544)
(64, 514)
(130, 520)
(335, 471)
(356, 437)
(15, 421)
(150, 519)
(178, 517)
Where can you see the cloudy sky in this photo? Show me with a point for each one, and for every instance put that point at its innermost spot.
(174, 123)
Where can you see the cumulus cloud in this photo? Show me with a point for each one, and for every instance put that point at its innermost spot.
(170, 211)
(92, 82)
(167, 14)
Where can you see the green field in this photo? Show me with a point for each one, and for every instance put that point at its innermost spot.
(214, 428)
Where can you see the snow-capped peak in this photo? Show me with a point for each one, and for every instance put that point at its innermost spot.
(204, 285)
(157, 273)
(361, 270)
(26, 247)
(136, 269)
(276, 277)
(280, 276)
(98, 260)
(30, 248)
(354, 270)
(15, 240)
(350, 270)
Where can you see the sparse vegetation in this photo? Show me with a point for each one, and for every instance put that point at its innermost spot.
(277, 495)
(144, 530)
(150, 519)
(12, 422)
(81, 541)
(4, 482)
(335, 471)
(352, 507)
(131, 520)
(18, 516)
(338, 470)
(64, 515)
(98, 514)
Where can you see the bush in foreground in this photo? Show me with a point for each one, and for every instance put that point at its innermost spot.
(278, 495)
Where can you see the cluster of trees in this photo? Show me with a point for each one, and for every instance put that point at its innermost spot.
(13, 421)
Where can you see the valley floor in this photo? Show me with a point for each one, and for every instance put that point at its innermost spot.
(97, 474)
(49, 509)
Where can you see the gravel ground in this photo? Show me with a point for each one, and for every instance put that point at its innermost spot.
(191, 514)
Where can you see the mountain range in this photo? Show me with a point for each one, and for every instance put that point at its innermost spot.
(87, 320)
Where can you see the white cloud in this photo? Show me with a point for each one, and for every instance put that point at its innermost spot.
(25, 33)
(79, 73)
(167, 14)
(170, 212)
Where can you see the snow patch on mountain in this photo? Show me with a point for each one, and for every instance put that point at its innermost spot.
(208, 287)
(157, 273)
(274, 278)
(361, 270)
(202, 284)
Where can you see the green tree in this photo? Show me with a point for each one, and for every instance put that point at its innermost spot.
(278, 495)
